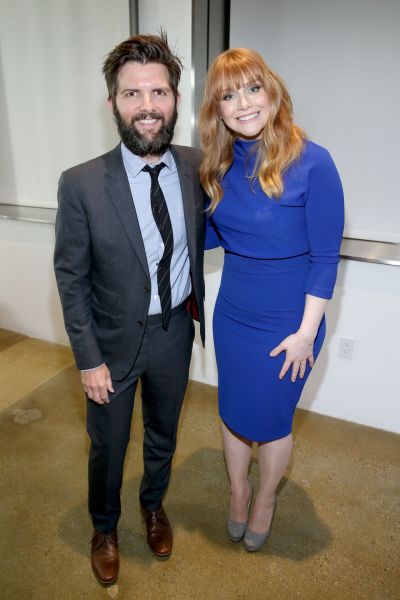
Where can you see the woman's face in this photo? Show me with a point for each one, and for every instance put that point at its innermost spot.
(245, 111)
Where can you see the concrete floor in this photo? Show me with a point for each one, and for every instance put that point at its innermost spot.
(335, 534)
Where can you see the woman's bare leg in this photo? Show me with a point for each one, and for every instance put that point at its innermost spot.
(273, 458)
(237, 455)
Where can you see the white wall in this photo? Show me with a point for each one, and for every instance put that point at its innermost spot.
(53, 115)
(340, 61)
(70, 39)
(365, 306)
(174, 17)
(365, 389)
(53, 111)
(29, 300)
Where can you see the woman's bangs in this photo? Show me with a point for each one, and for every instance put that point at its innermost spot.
(234, 76)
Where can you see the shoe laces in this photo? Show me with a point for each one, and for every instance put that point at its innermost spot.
(158, 515)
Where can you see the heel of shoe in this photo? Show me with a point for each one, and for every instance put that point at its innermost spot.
(237, 530)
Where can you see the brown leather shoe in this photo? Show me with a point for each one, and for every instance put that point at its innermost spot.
(159, 532)
(104, 557)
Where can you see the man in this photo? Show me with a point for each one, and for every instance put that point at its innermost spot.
(128, 262)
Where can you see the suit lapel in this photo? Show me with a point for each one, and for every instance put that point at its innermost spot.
(185, 174)
(119, 192)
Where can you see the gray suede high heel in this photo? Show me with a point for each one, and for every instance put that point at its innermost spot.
(253, 541)
(236, 530)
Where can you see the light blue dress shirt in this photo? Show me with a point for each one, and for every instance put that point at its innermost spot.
(140, 184)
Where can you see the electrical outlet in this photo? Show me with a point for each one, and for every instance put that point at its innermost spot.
(346, 348)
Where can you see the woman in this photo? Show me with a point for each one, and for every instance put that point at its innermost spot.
(276, 207)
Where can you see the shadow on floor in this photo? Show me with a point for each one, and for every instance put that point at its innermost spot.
(298, 532)
(336, 532)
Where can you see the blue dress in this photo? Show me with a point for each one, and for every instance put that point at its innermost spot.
(276, 252)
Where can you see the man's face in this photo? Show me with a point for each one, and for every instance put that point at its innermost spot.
(145, 109)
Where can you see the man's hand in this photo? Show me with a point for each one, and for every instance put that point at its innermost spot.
(97, 383)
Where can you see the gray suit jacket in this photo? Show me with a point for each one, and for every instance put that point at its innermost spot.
(100, 261)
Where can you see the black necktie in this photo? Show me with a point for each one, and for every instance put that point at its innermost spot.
(163, 222)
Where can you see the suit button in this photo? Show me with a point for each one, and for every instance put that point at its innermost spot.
(140, 323)
(146, 289)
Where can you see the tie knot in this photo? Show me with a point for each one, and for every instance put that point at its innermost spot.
(154, 171)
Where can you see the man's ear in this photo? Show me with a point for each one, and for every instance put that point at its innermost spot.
(110, 105)
(178, 99)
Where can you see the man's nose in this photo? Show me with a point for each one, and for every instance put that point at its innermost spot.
(147, 102)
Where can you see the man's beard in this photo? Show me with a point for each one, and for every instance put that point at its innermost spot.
(138, 143)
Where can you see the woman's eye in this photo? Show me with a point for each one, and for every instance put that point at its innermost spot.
(255, 88)
(227, 96)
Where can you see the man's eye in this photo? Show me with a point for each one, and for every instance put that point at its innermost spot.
(129, 94)
(160, 93)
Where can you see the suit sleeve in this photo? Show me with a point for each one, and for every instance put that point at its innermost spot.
(213, 239)
(72, 265)
(324, 221)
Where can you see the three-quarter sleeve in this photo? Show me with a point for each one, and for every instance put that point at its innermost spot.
(324, 213)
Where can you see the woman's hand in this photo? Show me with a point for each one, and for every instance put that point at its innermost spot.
(299, 350)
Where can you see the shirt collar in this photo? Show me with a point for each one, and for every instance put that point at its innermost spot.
(134, 164)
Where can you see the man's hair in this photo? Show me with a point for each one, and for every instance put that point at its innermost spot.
(142, 49)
